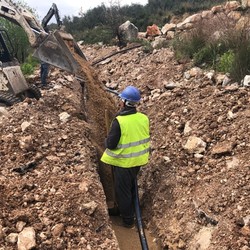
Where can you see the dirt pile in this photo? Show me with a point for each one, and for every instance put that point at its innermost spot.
(49, 179)
(194, 192)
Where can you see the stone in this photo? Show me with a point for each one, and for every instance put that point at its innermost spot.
(232, 5)
(20, 225)
(57, 230)
(3, 112)
(245, 3)
(222, 148)
(246, 81)
(26, 142)
(64, 117)
(195, 145)
(153, 31)
(127, 32)
(90, 207)
(25, 125)
(26, 239)
(168, 27)
(12, 238)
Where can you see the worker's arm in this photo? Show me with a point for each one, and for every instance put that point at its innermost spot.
(114, 135)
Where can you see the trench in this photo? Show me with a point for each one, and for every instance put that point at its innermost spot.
(98, 108)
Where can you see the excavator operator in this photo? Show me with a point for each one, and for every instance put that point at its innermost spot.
(127, 149)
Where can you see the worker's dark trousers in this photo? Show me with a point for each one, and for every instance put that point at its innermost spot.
(44, 73)
(125, 191)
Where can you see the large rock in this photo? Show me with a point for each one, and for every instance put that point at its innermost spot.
(232, 5)
(127, 32)
(168, 27)
(153, 31)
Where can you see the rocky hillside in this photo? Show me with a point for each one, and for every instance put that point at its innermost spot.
(194, 192)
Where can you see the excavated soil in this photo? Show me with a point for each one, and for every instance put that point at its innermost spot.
(191, 197)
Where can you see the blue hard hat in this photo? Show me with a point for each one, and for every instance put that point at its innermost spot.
(131, 94)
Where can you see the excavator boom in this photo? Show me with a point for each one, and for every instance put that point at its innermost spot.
(57, 48)
(24, 19)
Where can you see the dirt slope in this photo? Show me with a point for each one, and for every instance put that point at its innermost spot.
(192, 197)
(192, 200)
(58, 197)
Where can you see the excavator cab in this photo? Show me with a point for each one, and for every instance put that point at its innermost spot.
(13, 85)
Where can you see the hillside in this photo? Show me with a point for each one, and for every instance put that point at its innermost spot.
(194, 195)
(195, 191)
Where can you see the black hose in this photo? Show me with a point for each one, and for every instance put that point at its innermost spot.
(141, 232)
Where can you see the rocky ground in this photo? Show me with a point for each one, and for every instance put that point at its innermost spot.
(195, 192)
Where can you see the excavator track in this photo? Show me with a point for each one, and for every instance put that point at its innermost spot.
(8, 99)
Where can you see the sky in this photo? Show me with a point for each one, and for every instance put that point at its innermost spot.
(73, 7)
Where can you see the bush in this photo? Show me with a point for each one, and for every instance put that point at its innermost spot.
(241, 63)
(29, 65)
(146, 46)
(27, 68)
(226, 61)
(186, 47)
(227, 51)
(206, 56)
(99, 34)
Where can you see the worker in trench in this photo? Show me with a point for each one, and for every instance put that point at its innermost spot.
(127, 149)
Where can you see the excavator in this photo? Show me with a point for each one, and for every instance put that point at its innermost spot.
(13, 85)
(57, 48)
(60, 50)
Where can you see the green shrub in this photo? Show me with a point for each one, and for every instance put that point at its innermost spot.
(99, 34)
(146, 46)
(29, 65)
(226, 61)
(186, 47)
(241, 63)
(230, 52)
(27, 68)
(205, 56)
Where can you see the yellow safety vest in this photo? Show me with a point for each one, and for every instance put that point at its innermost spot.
(133, 147)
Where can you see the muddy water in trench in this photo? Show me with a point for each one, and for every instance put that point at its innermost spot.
(129, 239)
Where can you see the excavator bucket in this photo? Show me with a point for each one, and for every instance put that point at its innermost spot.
(59, 49)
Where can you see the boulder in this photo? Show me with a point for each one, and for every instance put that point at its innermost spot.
(127, 32)
(153, 31)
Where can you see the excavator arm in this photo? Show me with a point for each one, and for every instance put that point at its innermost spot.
(24, 19)
(53, 11)
(57, 48)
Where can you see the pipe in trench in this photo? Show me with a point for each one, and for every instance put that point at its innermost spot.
(141, 232)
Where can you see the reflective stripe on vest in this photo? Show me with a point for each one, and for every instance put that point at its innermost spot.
(131, 144)
(133, 147)
(109, 152)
